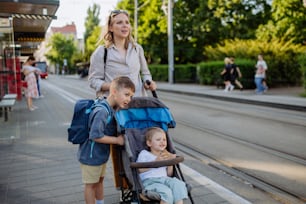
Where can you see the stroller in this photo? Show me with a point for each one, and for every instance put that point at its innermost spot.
(142, 113)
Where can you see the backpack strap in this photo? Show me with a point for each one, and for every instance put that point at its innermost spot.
(98, 103)
(102, 103)
(104, 58)
(105, 55)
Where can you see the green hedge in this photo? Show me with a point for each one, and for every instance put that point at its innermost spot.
(209, 72)
(302, 61)
(182, 73)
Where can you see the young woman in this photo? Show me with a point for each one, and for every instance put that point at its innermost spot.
(124, 57)
(31, 91)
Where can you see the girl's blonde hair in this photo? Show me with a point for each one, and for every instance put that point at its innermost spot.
(227, 60)
(108, 37)
(152, 131)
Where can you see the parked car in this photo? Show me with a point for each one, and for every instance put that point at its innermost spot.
(43, 68)
(82, 69)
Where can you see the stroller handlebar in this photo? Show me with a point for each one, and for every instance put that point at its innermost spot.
(148, 82)
(156, 164)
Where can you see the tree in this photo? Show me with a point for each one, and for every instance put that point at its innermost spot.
(287, 22)
(195, 25)
(62, 47)
(240, 18)
(92, 40)
(149, 27)
(92, 21)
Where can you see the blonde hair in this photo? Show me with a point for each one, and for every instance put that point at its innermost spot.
(152, 131)
(108, 37)
(227, 60)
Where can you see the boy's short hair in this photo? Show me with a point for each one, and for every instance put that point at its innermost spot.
(151, 131)
(122, 82)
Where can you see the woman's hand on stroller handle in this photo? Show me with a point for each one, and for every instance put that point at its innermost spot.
(152, 86)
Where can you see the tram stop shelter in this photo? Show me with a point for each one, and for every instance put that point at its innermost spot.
(23, 25)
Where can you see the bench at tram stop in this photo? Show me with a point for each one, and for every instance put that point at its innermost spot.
(6, 104)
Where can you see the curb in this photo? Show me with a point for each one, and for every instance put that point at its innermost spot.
(240, 100)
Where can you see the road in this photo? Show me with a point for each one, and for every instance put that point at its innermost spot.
(259, 145)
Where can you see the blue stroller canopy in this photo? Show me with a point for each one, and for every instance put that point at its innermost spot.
(144, 112)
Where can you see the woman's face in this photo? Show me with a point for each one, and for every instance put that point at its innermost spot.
(120, 26)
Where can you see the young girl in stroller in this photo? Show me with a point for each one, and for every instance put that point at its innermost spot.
(170, 189)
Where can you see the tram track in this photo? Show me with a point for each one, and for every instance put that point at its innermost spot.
(261, 112)
(227, 136)
(278, 192)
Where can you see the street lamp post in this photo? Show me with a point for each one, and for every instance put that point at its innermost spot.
(170, 42)
(169, 13)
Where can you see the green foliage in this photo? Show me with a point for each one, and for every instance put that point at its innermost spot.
(287, 22)
(92, 42)
(92, 20)
(302, 62)
(186, 73)
(62, 47)
(152, 27)
(182, 73)
(91, 36)
(159, 72)
(238, 18)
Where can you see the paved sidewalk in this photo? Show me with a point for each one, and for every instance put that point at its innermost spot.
(38, 165)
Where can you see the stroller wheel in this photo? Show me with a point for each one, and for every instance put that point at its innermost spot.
(126, 196)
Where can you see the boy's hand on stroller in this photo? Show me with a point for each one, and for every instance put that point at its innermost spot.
(120, 140)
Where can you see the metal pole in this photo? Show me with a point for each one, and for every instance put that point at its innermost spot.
(170, 42)
(135, 19)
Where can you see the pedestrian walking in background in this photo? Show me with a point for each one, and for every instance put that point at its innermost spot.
(227, 75)
(124, 57)
(38, 79)
(260, 75)
(236, 73)
(94, 153)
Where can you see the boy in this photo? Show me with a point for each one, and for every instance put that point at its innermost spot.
(94, 153)
(170, 189)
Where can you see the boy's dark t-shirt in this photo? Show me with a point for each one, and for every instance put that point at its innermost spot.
(94, 153)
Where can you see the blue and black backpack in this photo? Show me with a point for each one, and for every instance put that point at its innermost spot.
(78, 132)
